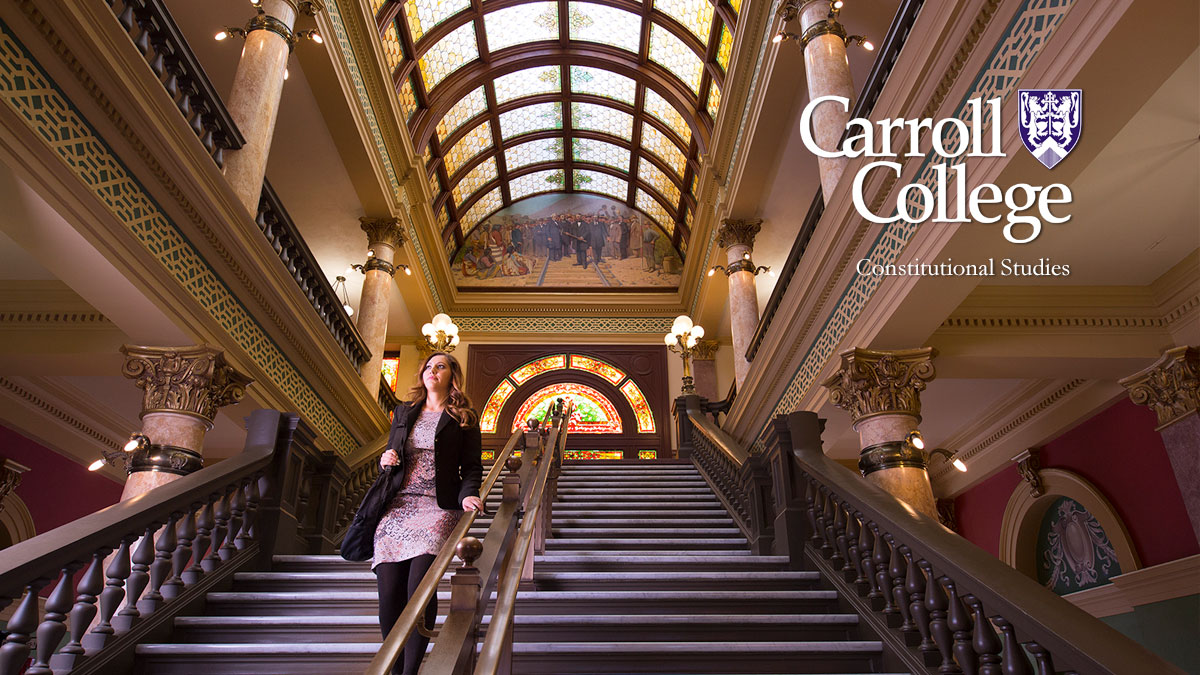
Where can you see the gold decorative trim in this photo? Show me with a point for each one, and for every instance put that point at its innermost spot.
(1170, 386)
(735, 231)
(189, 380)
(872, 382)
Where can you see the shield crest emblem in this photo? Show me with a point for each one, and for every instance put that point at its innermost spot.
(1050, 122)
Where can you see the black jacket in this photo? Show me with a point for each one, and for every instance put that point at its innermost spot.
(458, 469)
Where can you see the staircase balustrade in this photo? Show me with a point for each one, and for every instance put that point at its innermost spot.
(474, 581)
(936, 600)
(155, 34)
(387, 398)
(121, 575)
(284, 237)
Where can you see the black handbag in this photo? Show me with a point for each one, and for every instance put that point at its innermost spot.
(359, 543)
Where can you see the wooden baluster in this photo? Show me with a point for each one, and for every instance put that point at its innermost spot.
(160, 569)
(237, 506)
(866, 547)
(125, 16)
(53, 626)
(1013, 659)
(840, 559)
(15, 650)
(1041, 655)
(987, 644)
(221, 526)
(810, 511)
(139, 577)
(914, 583)
(935, 603)
(853, 572)
(204, 525)
(184, 533)
(960, 622)
(898, 572)
(828, 538)
(110, 598)
(246, 535)
(880, 559)
(84, 610)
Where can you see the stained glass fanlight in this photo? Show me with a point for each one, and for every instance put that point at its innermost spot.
(594, 413)
(443, 56)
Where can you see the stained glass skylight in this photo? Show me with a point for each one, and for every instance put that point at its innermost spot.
(476, 141)
(588, 80)
(599, 152)
(673, 54)
(650, 206)
(606, 184)
(423, 15)
(520, 24)
(607, 25)
(534, 183)
(657, 142)
(533, 152)
(448, 55)
(695, 15)
(444, 56)
(601, 118)
(537, 117)
(529, 82)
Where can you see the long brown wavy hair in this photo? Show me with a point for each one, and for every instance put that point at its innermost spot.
(457, 403)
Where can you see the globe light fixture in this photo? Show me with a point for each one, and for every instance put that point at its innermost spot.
(441, 334)
(682, 339)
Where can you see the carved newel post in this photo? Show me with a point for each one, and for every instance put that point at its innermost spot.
(882, 392)
(1171, 386)
(182, 389)
(384, 238)
(737, 238)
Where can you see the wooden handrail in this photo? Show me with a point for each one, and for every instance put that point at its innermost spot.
(393, 647)
(498, 643)
(715, 435)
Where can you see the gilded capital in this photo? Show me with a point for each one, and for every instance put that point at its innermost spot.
(1171, 386)
(733, 232)
(387, 231)
(872, 382)
(188, 380)
(705, 350)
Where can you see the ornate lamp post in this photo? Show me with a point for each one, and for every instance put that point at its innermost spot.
(682, 339)
(441, 334)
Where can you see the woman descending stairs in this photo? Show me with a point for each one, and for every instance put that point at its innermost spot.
(645, 573)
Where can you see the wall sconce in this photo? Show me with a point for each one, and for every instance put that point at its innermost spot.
(339, 289)
(682, 339)
(790, 10)
(743, 265)
(441, 334)
(137, 441)
(958, 463)
(374, 263)
(915, 439)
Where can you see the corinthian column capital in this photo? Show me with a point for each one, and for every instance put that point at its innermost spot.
(386, 231)
(1171, 385)
(736, 231)
(188, 380)
(872, 382)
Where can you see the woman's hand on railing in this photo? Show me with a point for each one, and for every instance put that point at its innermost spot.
(389, 458)
(472, 503)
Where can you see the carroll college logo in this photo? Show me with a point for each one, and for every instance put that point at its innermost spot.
(1050, 122)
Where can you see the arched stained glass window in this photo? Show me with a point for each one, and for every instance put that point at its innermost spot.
(594, 413)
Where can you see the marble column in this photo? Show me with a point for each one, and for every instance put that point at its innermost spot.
(182, 389)
(254, 100)
(1171, 386)
(384, 237)
(828, 74)
(881, 391)
(704, 370)
(737, 238)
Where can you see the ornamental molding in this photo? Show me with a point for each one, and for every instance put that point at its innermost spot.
(734, 232)
(10, 477)
(193, 381)
(1029, 466)
(872, 382)
(386, 231)
(1170, 386)
(705, 350)
(55, 320)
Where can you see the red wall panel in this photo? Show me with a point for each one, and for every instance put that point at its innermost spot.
(1119, 452)
(56, 490)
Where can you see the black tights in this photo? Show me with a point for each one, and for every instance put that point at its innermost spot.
(396, 582)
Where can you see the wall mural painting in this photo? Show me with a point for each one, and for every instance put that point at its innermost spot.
(1073, 552)
(594, 413)
(567, 240)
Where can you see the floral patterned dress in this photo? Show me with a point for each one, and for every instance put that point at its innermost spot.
(414, 524)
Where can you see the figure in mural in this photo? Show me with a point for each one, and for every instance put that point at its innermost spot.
(530, 244)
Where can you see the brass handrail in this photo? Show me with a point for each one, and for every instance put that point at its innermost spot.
(393, 646)
(499, 634)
